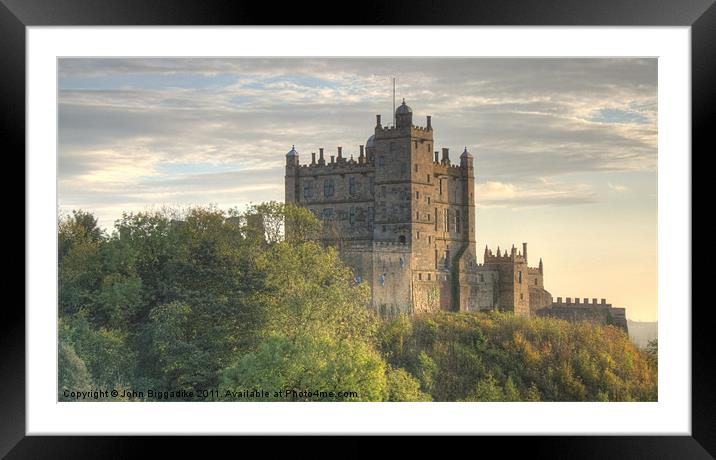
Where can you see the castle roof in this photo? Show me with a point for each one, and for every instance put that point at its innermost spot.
(466, 154)
(370, 142)
(404, 108)
(292, 152)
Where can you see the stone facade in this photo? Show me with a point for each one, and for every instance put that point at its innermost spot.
(402, 216)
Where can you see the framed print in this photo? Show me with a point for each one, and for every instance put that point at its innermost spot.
(441, 222)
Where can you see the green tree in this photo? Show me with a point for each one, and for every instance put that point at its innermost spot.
(402, 386)
(309, 363)
(72, 372)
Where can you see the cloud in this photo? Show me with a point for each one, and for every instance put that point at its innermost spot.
(539, 194)
(133, 132)
(618, 187)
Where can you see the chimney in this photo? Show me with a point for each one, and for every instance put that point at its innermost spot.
(321, 160)
(429, 122)
(559, 300)
(313, 158)
(437, 154)
(377, 120)
(446, 155)
(569, 300)
(340, 153)
(594, 301)
(524, 251)
(333, 159)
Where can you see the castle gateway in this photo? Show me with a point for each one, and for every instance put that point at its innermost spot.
(402, 216)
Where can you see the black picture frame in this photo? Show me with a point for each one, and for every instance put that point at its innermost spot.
(16, 15)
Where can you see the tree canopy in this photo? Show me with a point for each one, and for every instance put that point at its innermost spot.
(228, 301)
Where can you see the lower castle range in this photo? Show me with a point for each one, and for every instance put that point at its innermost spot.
(403, 218)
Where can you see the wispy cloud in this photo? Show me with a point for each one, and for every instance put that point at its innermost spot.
(136, 132)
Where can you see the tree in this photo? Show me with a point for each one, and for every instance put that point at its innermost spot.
(72, 374)
(652, 350)
(404, 387)
(308, 368)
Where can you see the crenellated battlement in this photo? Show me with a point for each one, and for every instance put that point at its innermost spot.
(513, 256)
(577, 302)
(448, 169)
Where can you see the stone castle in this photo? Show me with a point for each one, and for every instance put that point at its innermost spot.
(402, 217)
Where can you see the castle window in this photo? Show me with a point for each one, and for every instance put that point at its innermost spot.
(436, 259)
(401, 240)
(351, 185)
(308, 190)
(328, 213)
(447, 259)
(416, 144)
(382, 191)
(417, 195)
(519, 277)
(353, 216)
(535, 281)
(371, 213)
(427, 199)
(420, 276)
(440, 182)
(416, 168)
(381, 160)
(447, 220)
(328, 188)
(403, 168)
(457, 221)
(430, 238)
(429, 276)
(482, 278)
(522, 296)
(417, 236)
(417, 215)
(428, 176)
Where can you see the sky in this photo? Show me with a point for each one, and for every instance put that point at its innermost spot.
(565, 149)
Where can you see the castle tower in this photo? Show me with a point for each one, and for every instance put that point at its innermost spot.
(402, 218)
(291, 191)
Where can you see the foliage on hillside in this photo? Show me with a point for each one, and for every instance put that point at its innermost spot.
(501, 357)
(205, 301)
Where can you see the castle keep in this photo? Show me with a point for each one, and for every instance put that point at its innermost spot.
(402, 216)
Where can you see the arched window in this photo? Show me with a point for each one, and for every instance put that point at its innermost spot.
(401, 239)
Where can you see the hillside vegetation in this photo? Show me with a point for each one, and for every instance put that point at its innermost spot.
(207, 307)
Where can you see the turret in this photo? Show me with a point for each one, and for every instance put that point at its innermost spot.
(524, 251)
(403, 116)
(292, 157)
(541, 267)
(466, 159)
